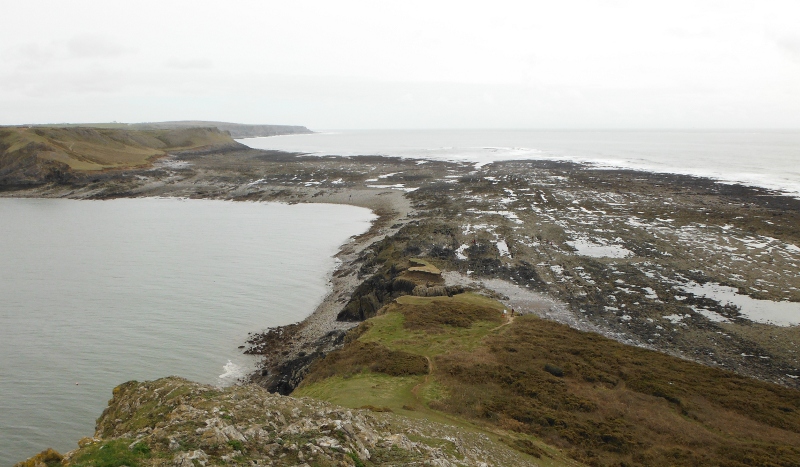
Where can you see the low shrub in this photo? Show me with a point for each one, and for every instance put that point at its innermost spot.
(605, 403)
(434, 314)
(358, 356)
(114, 453)
(552, 369)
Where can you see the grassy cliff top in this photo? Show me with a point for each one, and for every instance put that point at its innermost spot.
(36, 155)
(236, 130)
(554, 392)
(88, 149)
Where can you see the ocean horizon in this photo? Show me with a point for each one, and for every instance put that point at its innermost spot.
(762, 158)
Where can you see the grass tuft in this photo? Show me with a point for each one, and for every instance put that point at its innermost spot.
(358, 356)
(114, 453)
(358, 462)
(431, 314)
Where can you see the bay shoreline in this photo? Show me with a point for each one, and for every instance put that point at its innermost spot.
(573, 201)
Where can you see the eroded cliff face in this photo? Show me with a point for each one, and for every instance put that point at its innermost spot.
(173, 421)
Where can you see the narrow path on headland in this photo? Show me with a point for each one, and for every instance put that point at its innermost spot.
(431, 367)
(509, 320)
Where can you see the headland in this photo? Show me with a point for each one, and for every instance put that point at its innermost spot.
(625, 344)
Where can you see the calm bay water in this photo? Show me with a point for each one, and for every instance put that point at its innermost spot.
(96, 293)
(769, 159)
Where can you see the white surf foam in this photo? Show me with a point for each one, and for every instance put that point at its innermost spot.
(232, 373)
(768, 159)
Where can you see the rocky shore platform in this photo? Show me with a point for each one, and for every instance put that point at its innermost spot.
(655, 260)
(689, 267)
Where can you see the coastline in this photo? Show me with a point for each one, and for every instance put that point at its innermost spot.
(524, 216)
(725, 157)
(512, 231)
(287, 351)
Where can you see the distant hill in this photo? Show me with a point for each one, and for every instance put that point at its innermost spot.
(236, 130)
(31, 155)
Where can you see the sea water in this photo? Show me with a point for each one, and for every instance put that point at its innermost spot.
(96, 293)
(769, 159)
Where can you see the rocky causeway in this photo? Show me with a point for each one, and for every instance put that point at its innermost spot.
(635, 256)
(686, 266)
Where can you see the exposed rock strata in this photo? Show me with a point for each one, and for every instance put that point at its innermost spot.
(174, 422)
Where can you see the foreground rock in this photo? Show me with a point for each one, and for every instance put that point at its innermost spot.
(173, 421)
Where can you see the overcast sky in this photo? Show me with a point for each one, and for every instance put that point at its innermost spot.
(404, 64)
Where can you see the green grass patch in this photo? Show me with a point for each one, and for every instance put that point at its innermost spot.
(359, 356)
(178, 392)
(363, 389)
(115, 453)
(527, 446)
(432, 313)
(426, 343)
(357, 460)
(391, 330)
(602, 402)
(236, 444)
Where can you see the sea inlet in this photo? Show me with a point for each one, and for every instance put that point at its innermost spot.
(96, 293)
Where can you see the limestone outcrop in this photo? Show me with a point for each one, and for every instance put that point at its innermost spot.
(175, 422)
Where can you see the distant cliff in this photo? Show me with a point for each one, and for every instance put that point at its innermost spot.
(34, 155)
(236, 130)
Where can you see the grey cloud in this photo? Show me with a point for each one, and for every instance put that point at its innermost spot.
(29, 55)
(790, 46)
(59, 83)
(36, 52)
(89, 46)
(189, 63)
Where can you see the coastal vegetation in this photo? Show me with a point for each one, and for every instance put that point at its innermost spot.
(176, 422)
(620, 358)
(30, 155)
(531, 381)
